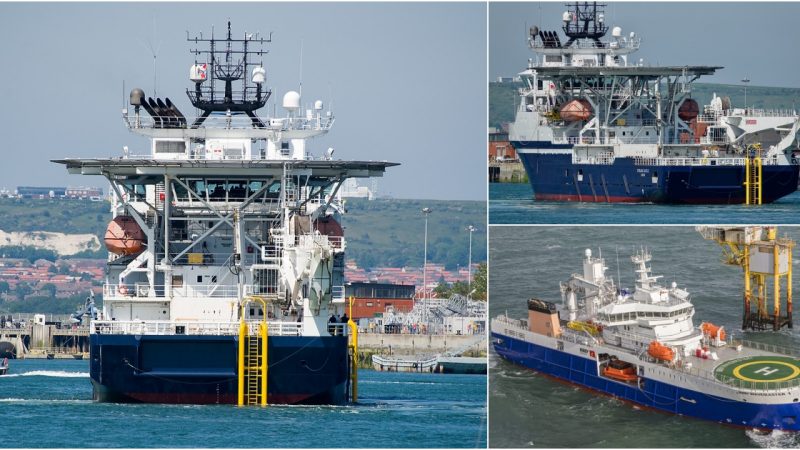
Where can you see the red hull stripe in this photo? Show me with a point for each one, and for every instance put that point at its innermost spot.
(587, 198)
(210, 399)
(619, 199)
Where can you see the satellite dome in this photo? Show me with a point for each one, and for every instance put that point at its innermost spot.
(291, 101)
(616, 32)
(318, 105)
(137, 97)
(588, 253)
(259, 75)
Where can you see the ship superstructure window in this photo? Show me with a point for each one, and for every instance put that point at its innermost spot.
(170, 147)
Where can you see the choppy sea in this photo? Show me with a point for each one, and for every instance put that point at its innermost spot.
(528, 410)
(48, 403)
(512, 203)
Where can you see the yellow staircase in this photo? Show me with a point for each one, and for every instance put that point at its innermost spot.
(753, 172)
(253, 359)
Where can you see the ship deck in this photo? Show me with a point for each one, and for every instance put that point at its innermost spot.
(623, 71)
(145, 166)
(748, 367)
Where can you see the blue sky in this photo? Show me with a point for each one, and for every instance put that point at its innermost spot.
(407, 81)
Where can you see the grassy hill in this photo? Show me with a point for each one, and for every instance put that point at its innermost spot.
(502, 98)
(382, 232)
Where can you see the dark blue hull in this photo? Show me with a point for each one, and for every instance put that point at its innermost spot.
(555, 177)
(649, 393)
(203, 369)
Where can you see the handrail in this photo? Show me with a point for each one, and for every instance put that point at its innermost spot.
(166, 327)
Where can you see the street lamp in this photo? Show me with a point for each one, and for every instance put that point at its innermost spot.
(471, 229)
(425, 211)
(745, 80)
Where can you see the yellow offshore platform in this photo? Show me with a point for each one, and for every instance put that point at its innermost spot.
(762, 256)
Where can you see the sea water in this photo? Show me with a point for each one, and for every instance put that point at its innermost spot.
(48, 403)
(513, 203)
(529, 410)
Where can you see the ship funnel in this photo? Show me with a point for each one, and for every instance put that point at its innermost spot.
(165, 113)
(175, 111)
(150, 106)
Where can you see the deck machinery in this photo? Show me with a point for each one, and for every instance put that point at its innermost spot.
(227, 253)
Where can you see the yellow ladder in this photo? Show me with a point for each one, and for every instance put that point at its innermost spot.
(353, 350)
(753, 172)
(253, 359)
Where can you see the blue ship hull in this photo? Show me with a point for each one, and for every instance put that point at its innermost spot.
(648, 393)
(203, 369)
(555, 177)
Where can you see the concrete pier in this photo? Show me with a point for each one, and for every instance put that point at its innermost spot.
(410, 344)
(507, 172)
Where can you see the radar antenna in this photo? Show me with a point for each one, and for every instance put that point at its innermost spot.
(585, 21)
(226, 62)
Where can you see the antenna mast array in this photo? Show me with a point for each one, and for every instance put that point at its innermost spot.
(229, 60)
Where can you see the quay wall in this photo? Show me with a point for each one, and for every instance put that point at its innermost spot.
(409, 344)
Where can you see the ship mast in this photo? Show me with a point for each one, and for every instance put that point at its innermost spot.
(228, 61)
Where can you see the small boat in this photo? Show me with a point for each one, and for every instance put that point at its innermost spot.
(4, 366)
(713, 331)
(51, 356)
(660, 351)
(424, 364)
(77, 356)
(620, 371)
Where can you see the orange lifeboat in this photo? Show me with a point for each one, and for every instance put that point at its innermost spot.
(660, 351)
(711, 330)
(688, 110)
(124, 236)
(576, 110)
(331, 228)
(621, 371)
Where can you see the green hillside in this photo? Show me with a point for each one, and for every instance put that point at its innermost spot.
(502, 98)
(382, 232)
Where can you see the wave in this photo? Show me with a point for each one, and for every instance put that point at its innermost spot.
(42, 400)
(774, 439)
(49, 373)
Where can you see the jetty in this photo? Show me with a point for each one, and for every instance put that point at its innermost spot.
(42, 336)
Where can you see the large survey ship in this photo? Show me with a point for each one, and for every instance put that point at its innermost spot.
(226, 261)
(593, 125)
(641, 346)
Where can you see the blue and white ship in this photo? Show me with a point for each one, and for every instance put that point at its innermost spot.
(642, 347)
(225, 278)
(593, 125)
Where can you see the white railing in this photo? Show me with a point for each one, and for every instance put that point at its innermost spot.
(187, 291)
(709, 161)
(602, 140)
(632, 44)
(599, 158)
(711, 117)
(337, 294)
(199, 328)
(237, 122)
